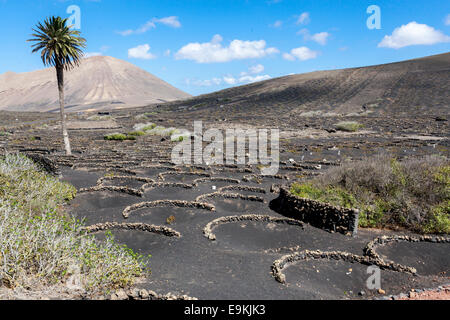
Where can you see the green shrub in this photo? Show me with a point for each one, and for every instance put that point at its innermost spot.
(145, 116)
(144, 126)
(442, 177)
(439, 219)
(176, 135)
(141, 117)
(374, 215)
(180, 135)
(137, 133)
(332, 195)
(149, 127)
(119, 137)
(39, 241)
(348, 126)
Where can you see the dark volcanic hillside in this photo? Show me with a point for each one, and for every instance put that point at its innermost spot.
(414, 86)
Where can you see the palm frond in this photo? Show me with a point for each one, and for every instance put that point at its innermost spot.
(60, 46)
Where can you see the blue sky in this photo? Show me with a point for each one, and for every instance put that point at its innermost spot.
(202, 46)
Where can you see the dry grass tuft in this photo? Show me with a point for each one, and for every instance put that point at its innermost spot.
(413, 194)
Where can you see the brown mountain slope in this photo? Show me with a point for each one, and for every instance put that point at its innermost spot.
(99, 83)
(408, 86)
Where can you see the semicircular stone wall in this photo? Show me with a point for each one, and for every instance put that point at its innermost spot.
(318, 214)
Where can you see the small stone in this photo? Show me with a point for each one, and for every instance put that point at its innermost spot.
(143, 294)
(133, 293)
(362, 293)
(121, 295)
(381, 291)
(152, 295)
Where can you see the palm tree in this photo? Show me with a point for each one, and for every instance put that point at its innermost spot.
(61, 48)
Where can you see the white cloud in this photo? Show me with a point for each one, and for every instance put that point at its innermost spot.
(141, 52)
(288, 56)
(303, 18)
(167, 52)
(102, 51)
(302, 53)
(321, 37)
(411, 34)
(213, 51)
(277, 24)
(171, 21)
(125, 32)
(216, 81)
(256, 69)
(272, 50)
(204, 83)
(304, 32)
(217, 39)
(253, 70)
(250, 79)
(144, 28)
(92, 54)
(230, 80)
(447, 20)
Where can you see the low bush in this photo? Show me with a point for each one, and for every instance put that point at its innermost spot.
(412, 194)
(119, 137)
(176, 135)
(348, 126)
(38, 241)
(144, 126)
(163, 131)
(137, 133)
(145, 116)
(332, 195)
(180, 135)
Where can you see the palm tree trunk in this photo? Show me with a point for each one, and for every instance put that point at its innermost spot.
(60, 78)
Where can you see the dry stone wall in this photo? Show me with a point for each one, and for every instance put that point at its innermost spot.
(318, 214)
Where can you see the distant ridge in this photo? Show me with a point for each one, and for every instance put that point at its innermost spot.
(99, 83)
